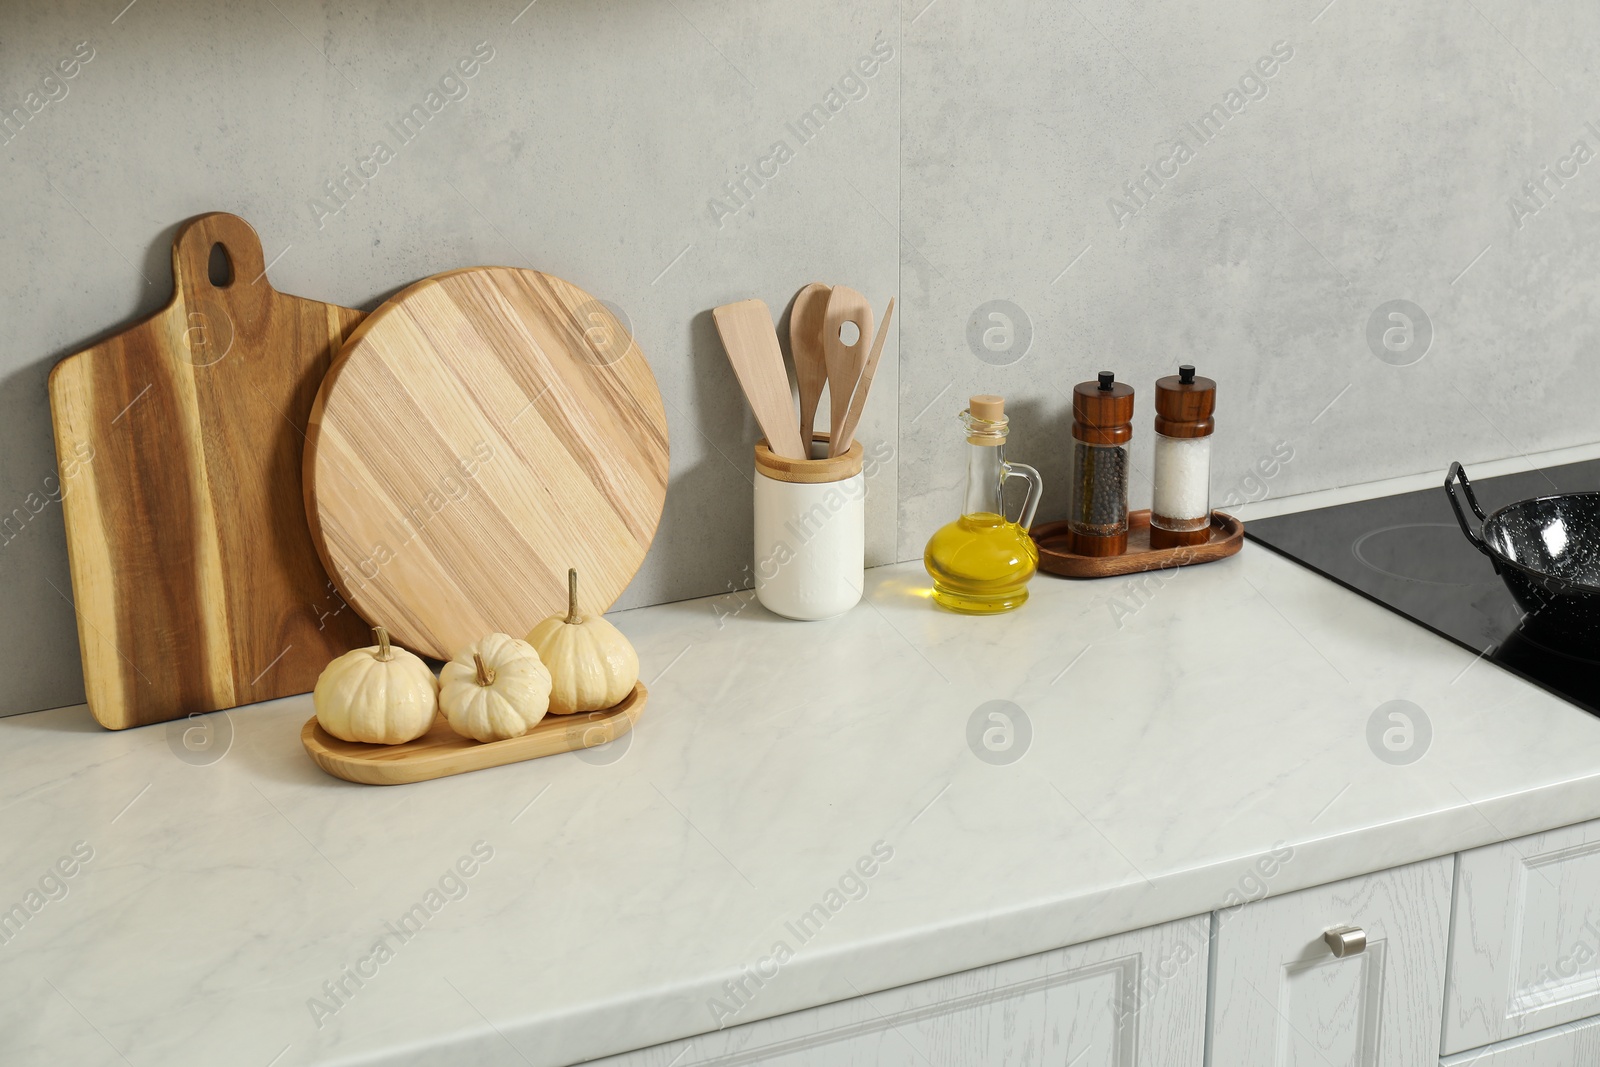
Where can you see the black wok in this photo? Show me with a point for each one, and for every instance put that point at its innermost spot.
(1547, 550)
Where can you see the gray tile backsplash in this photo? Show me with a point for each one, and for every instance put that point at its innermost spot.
(1293, 170)
(1048, 188)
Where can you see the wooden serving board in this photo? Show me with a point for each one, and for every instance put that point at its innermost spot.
(442, 752)
(1055, 557)
(480, 433)
(195, 581)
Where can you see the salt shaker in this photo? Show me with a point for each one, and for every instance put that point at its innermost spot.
(1102, 427)
(1180, 506)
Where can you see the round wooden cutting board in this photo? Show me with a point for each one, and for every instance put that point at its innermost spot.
(479, 433)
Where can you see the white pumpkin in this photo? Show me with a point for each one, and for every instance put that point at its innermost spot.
(592, 666)
(381, 695)
(494, 689)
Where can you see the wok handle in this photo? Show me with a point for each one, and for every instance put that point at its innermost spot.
(1457, 472)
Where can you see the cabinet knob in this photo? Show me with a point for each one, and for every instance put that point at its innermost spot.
(1346, 940)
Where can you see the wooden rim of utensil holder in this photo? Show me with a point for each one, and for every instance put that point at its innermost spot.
(809, 471)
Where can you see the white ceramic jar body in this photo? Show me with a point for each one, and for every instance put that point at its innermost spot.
(810, 538)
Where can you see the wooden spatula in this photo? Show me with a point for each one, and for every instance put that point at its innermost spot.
(752, 343)
(806, 320)
(844, 361)
(839, 443)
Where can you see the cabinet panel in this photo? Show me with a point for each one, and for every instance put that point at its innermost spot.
(1283, 999)
(1525, 952)
(1573, 1045)
(1127, 1001)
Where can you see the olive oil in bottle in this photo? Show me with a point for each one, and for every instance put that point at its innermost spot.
(981, 562)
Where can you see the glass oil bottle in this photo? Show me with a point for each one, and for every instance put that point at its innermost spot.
(981, 563)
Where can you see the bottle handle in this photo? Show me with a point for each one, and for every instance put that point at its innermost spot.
(1035, 489)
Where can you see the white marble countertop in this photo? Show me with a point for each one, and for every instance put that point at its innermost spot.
(1226, 715)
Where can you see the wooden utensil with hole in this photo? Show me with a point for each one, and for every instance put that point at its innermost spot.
(484, 430)
(752, 345)
(806, 320)
(845, 362)
(840, 442)
(195, 581)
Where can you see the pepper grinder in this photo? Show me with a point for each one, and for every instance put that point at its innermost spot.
(1180, 506)
(1102, 426)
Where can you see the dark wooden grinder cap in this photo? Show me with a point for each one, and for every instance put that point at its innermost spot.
(1102, 411)
(1184, 404)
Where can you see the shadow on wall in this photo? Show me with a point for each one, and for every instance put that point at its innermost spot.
(33, 552)
(699, 495)
(1036, 438)
(33, 544)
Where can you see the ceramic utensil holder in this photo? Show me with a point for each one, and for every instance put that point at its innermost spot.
(810, 531)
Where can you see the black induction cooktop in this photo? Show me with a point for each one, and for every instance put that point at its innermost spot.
(1407, 553)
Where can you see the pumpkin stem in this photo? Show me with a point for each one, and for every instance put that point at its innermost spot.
(485, 672)
(572, 597)
(384, 653)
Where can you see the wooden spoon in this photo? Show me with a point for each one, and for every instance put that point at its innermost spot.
(844, 361)
(839, 444)
(747, 333)
(806, 321)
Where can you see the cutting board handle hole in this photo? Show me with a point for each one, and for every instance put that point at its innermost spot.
(849, 333)
(220, 267)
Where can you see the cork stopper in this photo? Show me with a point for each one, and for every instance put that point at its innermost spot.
(986, 420)
(1102, 411)
(988, 407)
(1184, 404)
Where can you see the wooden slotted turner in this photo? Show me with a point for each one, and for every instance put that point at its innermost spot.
(839, 441)
(845, 362)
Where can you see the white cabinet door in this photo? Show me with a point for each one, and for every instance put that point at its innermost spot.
(1525, 953)
(1573, 1045)
(1282, 998)
(1134, 1000)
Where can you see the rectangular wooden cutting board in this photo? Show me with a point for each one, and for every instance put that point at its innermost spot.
(194, 578)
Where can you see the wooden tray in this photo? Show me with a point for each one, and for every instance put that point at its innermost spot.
(1227, 537)
(442, 752)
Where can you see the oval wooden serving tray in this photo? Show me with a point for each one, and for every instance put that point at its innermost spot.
(442, 752)
(1227, 537)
